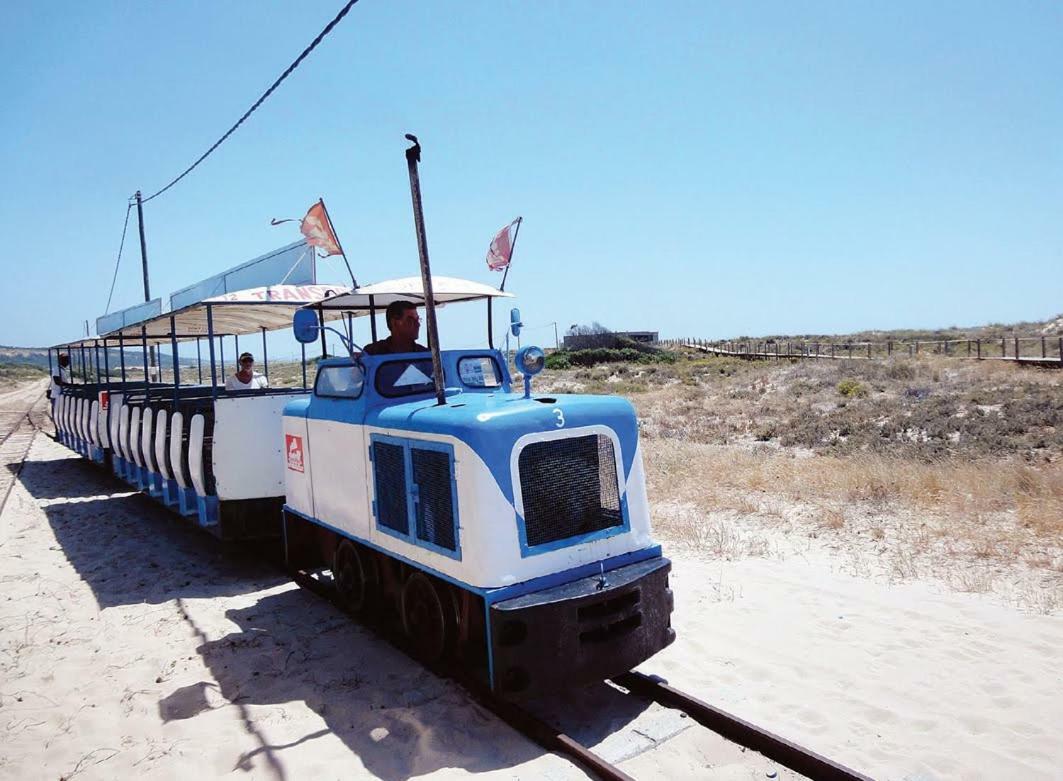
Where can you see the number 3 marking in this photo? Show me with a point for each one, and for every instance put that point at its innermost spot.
(560, 417)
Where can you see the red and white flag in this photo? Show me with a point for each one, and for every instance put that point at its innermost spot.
(501, 250)
(315, 226)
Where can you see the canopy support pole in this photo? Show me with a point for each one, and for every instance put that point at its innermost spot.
(302, 348)
(147, 379)
(210, 341)
(321, 325)
(199, 362)
(107, 387)
(372, 316)
(176, 365)
(121, 354)
(265, 357)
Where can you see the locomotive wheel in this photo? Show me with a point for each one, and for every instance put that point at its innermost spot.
(353, 574)
(424, 618)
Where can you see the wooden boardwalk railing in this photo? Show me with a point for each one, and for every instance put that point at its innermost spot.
(1033, 350)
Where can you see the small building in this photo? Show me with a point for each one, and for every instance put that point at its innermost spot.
(609, 339)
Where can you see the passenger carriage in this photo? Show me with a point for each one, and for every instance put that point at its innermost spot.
(207, 453)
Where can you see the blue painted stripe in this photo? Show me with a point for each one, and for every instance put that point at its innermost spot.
(498, 593)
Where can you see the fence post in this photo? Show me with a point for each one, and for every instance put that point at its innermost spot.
(1016, 348)
(1061, 349)
(917, 347)
(978, 344)
(1003, 347)
(850, 346)
(946, 343)
(968, 348)
(889, 348)
(1043, 353)
(869, 351)
(910, 351)
(832, 349)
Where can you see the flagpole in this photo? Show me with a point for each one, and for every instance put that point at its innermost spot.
(512, 249)
(338, 243)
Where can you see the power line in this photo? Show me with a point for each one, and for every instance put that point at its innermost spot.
(266, 94)
(128, 208)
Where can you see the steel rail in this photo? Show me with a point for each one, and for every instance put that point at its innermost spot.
(800, 760)
(25, 417)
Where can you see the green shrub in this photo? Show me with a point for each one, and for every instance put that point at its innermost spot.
(566, 359)
(852, 389)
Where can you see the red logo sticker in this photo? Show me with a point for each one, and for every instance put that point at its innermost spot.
(293, 445)
(105, 400)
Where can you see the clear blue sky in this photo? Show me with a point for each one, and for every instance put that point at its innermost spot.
(700, 168)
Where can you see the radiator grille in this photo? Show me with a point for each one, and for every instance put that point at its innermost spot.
(435, 505)
(389, 469)
(569, 488)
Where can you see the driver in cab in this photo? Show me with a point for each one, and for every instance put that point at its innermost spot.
(405, 325)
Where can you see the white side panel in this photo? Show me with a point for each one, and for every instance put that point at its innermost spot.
(115, 415)
(195, 454)
(298, 484)
(147, 438)
(101, 426)
(134, 435)
(177, 423)
(340, 475)
(123, 432)
(160, 443)
(249, 457)
(82, 416)
(94, 417)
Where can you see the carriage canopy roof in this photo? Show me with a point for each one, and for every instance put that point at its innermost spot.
(239, 312)
(446, 290)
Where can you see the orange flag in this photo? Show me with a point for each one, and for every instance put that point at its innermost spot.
(318, 231)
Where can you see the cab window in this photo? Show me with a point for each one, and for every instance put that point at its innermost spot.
(480, 371)
(342, 382)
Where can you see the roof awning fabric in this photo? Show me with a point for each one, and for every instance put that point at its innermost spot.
(446, 290)
(239, 312)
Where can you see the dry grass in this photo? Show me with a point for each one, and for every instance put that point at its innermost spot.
(932, 467)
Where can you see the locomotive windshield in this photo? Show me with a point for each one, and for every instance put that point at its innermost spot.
(405, 377)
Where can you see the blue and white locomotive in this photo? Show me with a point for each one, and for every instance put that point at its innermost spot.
(508, 530)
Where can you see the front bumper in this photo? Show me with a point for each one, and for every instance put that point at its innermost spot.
(583, 631)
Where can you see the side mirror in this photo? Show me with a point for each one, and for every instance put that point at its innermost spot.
(305, 326)
(514, 321)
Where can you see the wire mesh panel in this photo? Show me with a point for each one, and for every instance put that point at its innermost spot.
(435, 504)
(389, 469)
(569, 488)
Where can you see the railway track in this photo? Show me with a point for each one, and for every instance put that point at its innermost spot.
(797, 758)
(21, 413)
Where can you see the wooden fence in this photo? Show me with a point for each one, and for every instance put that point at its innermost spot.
(1038, 350)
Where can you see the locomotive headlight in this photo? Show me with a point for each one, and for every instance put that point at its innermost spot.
(530, 360)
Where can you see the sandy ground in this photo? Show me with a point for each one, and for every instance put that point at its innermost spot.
(131, 645)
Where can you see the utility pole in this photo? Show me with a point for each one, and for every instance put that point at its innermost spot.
(144, 264)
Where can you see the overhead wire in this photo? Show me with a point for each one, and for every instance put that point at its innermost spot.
(125, 226)
(259, 102)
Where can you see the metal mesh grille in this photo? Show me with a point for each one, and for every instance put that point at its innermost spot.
(569, 488)
(435, 506)
(389, 468)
